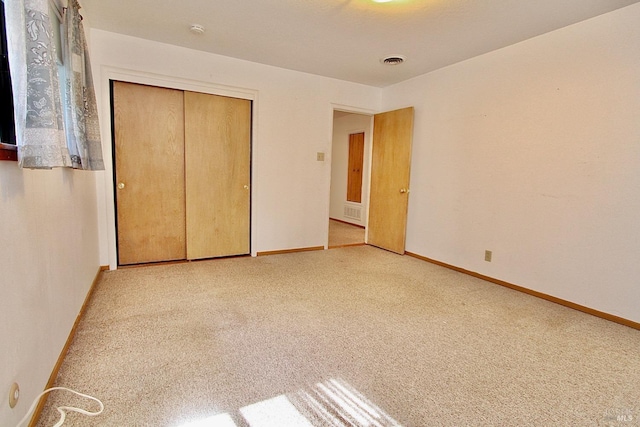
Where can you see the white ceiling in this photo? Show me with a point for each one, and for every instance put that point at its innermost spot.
(344, 39)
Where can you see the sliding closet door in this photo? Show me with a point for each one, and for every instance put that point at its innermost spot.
(149, 167)
(217, 158)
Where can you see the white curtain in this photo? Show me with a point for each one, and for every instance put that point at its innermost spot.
(39, 112)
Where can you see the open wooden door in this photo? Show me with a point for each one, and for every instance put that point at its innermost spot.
(390, 170)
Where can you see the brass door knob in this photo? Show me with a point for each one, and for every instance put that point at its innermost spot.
(120, 185)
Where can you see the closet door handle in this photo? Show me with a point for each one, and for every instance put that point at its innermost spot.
(246, 187)
(120, 185)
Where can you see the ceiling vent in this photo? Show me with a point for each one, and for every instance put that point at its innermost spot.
(393, 60)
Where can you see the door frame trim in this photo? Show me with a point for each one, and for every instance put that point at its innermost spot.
(104, 188)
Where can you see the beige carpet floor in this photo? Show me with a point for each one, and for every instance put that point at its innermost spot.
(170, 345)
(341, 234)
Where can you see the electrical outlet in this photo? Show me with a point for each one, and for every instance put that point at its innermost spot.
(320, 157)
(487, 256)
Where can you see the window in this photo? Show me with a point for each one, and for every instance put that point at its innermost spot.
(7, 127)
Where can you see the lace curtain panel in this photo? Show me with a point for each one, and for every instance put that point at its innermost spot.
(51, 130)
(81, 116)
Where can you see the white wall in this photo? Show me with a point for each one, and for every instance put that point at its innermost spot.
(533, 152)
(49, 260)
(293, 115)
(343, 126)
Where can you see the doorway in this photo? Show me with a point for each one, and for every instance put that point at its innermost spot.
(381, 210)
(350, 163)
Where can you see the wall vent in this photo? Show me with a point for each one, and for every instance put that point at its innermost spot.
(353, 212)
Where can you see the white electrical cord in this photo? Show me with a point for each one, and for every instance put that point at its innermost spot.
(63, 409)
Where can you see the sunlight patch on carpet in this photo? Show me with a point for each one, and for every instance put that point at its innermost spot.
(331, 403)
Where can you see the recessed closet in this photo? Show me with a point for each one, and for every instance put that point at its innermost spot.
(182, 174)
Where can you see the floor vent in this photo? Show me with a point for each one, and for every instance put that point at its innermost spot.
(353, 212)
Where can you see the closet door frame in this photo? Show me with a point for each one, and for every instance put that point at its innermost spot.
(106, 198)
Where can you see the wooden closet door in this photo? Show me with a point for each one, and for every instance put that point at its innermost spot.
(218, 152)
(356, 161)
(149, 169)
